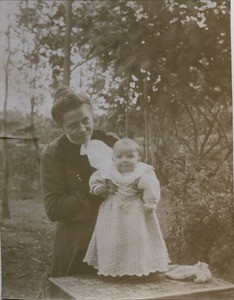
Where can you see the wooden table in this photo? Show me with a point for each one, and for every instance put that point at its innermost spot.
(84, 287)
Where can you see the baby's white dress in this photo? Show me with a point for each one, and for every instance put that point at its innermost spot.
(127, 239)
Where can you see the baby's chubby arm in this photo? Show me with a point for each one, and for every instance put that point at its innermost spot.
(151, 189)
(100, 186)
(97, 184)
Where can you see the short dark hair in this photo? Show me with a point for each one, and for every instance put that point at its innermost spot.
(65, 100)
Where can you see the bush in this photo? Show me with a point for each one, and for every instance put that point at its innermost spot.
(202, 227)
(24, 170)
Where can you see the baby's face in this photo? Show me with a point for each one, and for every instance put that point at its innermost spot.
(125, 158)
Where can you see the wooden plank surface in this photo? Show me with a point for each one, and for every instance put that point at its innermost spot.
(84, 287)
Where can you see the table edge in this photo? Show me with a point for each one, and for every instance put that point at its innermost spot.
(216, 289)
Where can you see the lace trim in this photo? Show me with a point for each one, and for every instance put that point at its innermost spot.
(158, 268)
(117, 178)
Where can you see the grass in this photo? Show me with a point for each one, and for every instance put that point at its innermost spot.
(26, 247)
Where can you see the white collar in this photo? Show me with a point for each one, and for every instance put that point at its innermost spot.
(123, 180)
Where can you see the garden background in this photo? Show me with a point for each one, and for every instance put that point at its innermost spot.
(158, 71)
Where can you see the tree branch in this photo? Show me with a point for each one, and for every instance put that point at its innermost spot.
(194, 126)
(94, 55)
(161, 121)
(223, 130)
(182, 140)
(217, 152)
(131, 30)
(217, 120)
(210, 148)
(208, 133)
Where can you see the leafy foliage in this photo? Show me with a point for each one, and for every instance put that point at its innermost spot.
(165, 58)
(202, 228)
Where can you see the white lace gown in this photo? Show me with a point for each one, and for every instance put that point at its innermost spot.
(127, 239)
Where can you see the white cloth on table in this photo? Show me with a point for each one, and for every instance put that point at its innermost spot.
(199, 272)
(127, 238)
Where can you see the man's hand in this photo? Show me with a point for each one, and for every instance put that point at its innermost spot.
(111, 187)
(113, 134)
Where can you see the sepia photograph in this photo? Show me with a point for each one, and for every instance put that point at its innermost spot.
(116, 150)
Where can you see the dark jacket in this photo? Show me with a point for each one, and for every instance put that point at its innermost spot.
(64, 179)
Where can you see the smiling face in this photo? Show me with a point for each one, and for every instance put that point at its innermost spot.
(125, 157)
(78, 124)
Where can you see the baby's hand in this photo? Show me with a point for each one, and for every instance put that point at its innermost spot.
(149, 206)
(102, 191)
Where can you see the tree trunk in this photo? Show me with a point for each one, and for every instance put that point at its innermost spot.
(151, 140)
(33, 133)
(4, 210)
(67, 45)
(126, 108)
(4, 206)
(146, 137)
(32, 123)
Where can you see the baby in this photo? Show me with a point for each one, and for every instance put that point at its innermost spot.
(127, 239)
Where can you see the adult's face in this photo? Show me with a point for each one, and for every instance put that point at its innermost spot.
(78, 124)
